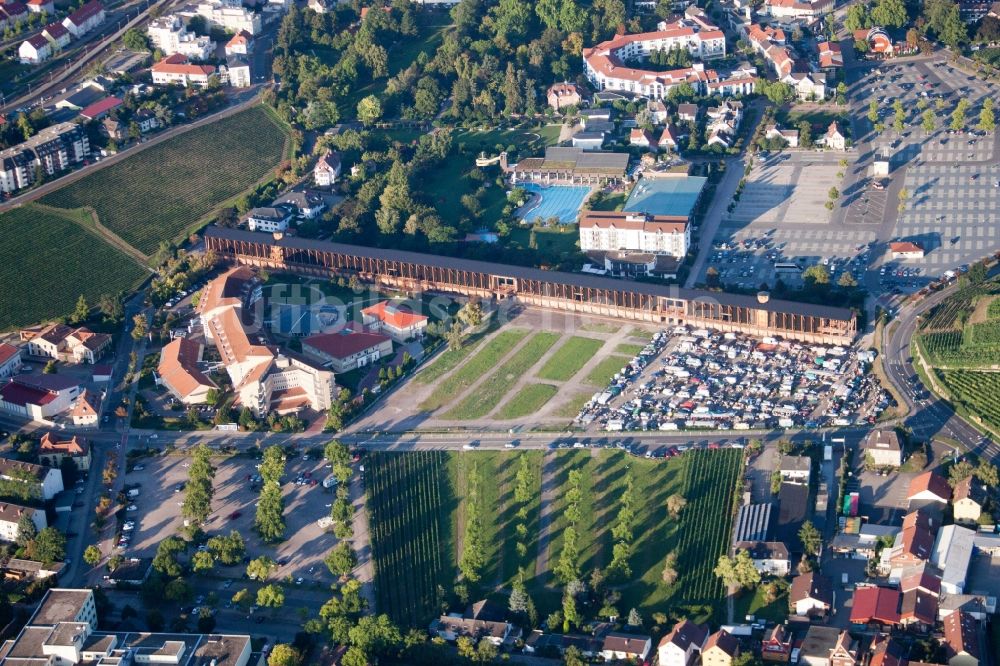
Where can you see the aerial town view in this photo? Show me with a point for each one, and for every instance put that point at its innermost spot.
(659, 332)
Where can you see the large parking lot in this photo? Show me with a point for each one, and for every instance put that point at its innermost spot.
(158, 510)
(706, 379)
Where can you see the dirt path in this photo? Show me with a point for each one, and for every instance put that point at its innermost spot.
(364, 572)
(546, 509)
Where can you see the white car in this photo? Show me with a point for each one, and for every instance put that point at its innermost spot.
(131, 507)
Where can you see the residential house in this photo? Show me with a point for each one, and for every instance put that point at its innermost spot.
(236, 72)
(43, 482)
(10, 361)
(635, 232)
(13, 14)
(876, 605)
(679, 646)
(825, 646)
(928, 487)
(84, 19)
(57, 35)
(688, 112)
(906, 250)
(86, 409)
(962, 640)
(322, 6)
(918, 607)
(481, 620)
(720, 649)
(882, 447)
(146, 120)
(601, 114)
(952, 554)
(789, 136)
(54, 149)
(887, 651)
(809, 86)
(63, 343)
(833, 139)
(131, 571)
(398, 322)
(642, 138)
(348, 348)
(41, 6)
(180, 371)
(914, 544)
(38, 397)
(829, 56)
(34, 50)
(240, 44)
(776, 645)
(170, 35)
(307, 204)
(658, 111)
(52, 451)
(562, 95)
(100, 109)
(811, 595)
(795, 469)
(633, 647)
(669, 138)
(270, 219)
(769, 557)
(10, 518)
(327, 169)
(178, 70)
(114, 129)
(968, 500)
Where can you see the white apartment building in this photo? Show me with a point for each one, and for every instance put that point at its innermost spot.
(10, 516)
(230, 17)
(47, 482)
(638, 232)
(170, 35)
(55, 148)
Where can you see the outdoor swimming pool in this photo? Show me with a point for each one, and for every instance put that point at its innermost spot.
(562, 201)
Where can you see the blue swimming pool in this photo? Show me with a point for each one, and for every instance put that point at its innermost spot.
(561, 201)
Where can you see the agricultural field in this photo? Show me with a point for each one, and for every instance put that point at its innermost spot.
(36, 241)
(974, 393)
(163, 192)
(410, 503)
(492, 390)
(964, 330)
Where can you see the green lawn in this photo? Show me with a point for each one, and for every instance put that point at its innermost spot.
(527, 401)
(628, 349)
(486, 359)
(444, 187)
(611, 202)
(569, 358)
(572, 406)
(162, 193)
(606, 369)
(48, 260)
(818, 118)
(551, 241)
(525, 141)
(753, 602)
(491, 391)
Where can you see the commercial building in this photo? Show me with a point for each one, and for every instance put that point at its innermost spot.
(906, 250)
(348, 349)
(883, 448)
(568, 166)
(180, 371)
(585, 294)
(43, 482)
(952, 554)
(54, 149)
(63, 343)
(63, 630)
(399, 323)
(38, 397)
(10, 360)
(638, 232)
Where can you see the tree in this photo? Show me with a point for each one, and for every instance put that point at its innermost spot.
(455, 336)
(228, 550)
(81, 311)
(260, 568)
(634, 618)
(738, 572)
(202, 561)
(676, 504)
(810, 537)
(135, 40)
(903, 195)
(177, 590)
(816, 275)
(857, 17)
(269, 522)
(92, 555)
(369, 110)
(111, 307)
(958, 115)
(987, 122)
(669, 574)
(243, 599)
(166, 561)
(890, 13)
(270, 596)
(959, 472)
(284, 654)
(805, 134)
(375, 636)
(341, 560)
(846, 281)
(977, 273)
(27, 531)
(140, 327)
(873, 111)
(986, 472)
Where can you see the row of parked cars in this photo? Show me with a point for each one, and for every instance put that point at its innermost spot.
(710, 380)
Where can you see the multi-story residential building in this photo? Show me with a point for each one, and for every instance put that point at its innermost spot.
(270, 219)
(720, 649)
(883, 447)
(85, 19)
(86, 410)
(804, 9)
(41, 6)
(34, 50)
(63, 632)
(52, 451)
(236, 72)
(43, 482)
(639, 232)
(240, 44)
(327, 169)
(12, 13)
(10, 360)
(230, 16)
(170, 35)
(11, 515)
(178, 70)
(63, 343)
(54, 149)
(679, 646)
(57, 35)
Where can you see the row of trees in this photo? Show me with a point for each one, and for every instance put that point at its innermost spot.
(269, 520)
(199, 490)
(342, 513)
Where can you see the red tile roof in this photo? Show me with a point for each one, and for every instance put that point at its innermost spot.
(929, 481)
(905, 247)
(101, 107)
(7, 352)
(18, 394)
(875, 604)
(91, 9)
(345, 342)
(394, 316)
(74, 446)
(961, 635)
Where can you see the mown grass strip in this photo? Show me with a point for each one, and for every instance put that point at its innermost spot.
(478, 365)
(569, 358)
(527, 401)
(605, 370)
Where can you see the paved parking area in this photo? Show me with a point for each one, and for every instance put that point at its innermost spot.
(233, 508)
(883, 498)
